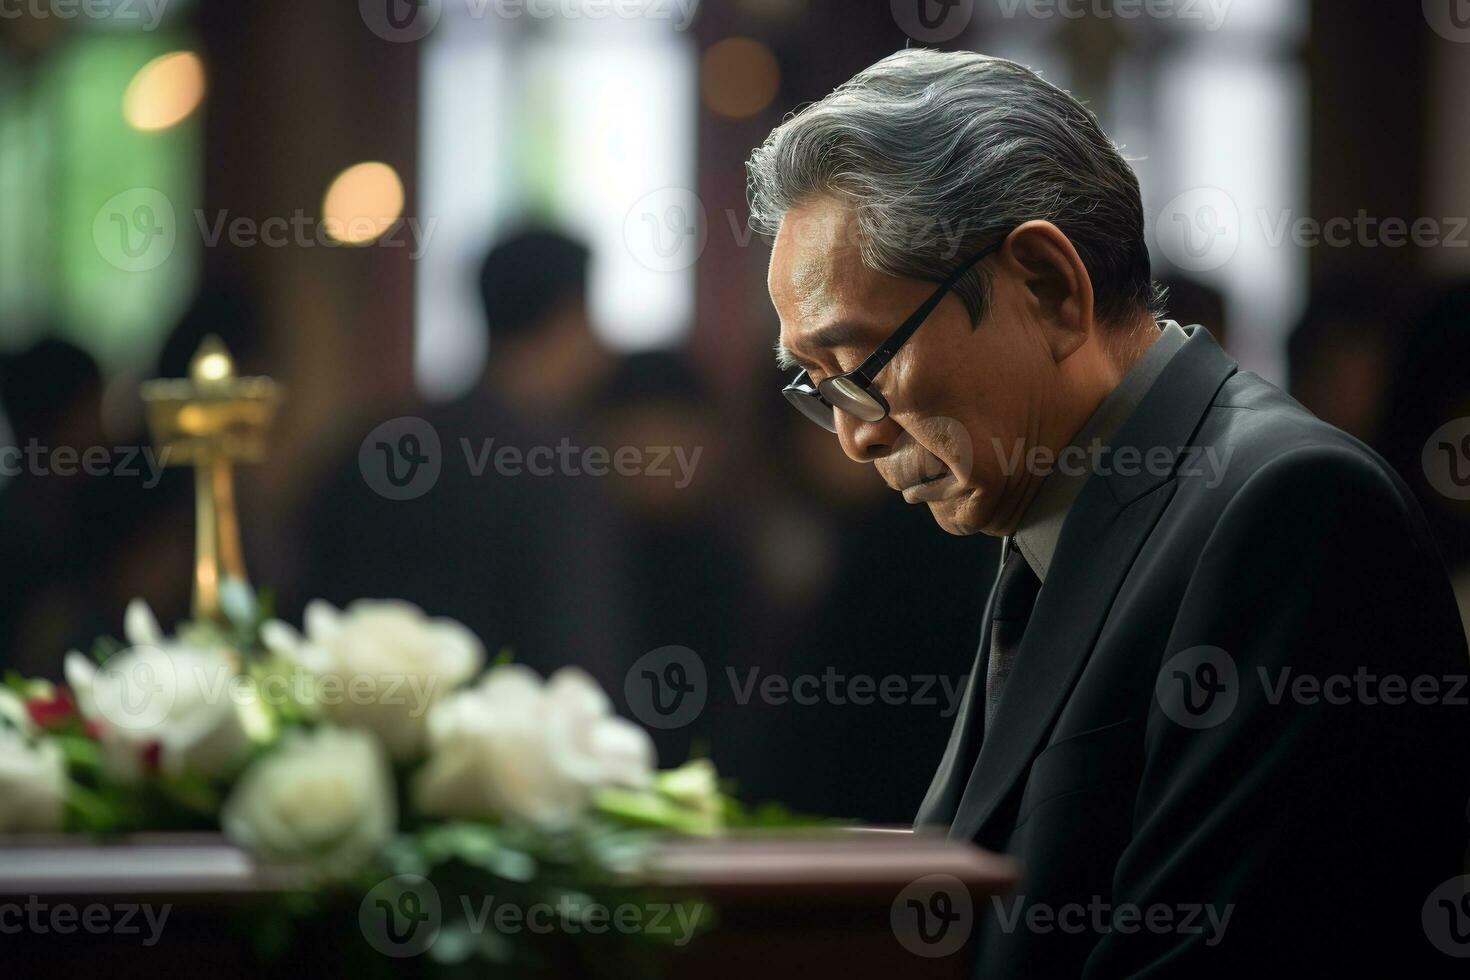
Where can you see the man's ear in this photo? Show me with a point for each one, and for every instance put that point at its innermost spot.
(1056, 288)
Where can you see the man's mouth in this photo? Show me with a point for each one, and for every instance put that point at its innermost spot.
(925, 482)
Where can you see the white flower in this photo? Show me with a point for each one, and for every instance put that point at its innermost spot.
(695, 784)
(166, 693)
(32, 772)
(528, 751)
(380, 665)
(324, 796)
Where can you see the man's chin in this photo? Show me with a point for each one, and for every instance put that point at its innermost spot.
(958, 515)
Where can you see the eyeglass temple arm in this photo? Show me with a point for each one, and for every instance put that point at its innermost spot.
(876, 361)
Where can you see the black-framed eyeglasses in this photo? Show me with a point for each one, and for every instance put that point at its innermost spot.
(853, 392)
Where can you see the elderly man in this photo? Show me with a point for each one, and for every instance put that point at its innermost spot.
(1218, 710)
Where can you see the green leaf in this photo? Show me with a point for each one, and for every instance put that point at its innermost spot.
(479, 846)
(80, 752)
(105, 647)
(402, 855)
(455, 943)
(645, 809)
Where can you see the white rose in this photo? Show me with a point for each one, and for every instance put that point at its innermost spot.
(324, 796)
(528, 751)
(380, 665)
(166, 693)
(32, 772)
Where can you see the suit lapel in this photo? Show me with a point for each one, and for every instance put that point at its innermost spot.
(942, 801)
(1102, 535)
(1068, 616)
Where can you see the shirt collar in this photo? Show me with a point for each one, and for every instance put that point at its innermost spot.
(1041, 526)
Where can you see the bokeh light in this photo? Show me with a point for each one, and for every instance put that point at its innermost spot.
(739, 77)
(362, 203)
(164, 92)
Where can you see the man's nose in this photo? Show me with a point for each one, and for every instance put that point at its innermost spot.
(866, 441)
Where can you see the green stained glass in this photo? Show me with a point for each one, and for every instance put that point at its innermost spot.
(75, 175)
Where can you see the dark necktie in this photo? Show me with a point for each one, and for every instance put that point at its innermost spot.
(1015, 596)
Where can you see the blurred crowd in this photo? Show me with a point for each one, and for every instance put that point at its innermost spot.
(767, 553)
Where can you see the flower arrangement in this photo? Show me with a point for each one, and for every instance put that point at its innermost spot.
(373, 742)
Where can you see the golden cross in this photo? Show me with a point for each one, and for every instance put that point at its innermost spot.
(210, 421)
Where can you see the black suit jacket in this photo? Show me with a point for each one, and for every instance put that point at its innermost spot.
(1159, 756)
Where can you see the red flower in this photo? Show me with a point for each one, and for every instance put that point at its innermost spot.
(51, 713)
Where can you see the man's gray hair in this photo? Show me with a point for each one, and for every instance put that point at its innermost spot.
(943, 153)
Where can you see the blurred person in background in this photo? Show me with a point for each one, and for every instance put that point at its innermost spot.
(523, 559)
(680, 568)
(53, 527)
(1428, 414)
(93, 541)
(1343, 355)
